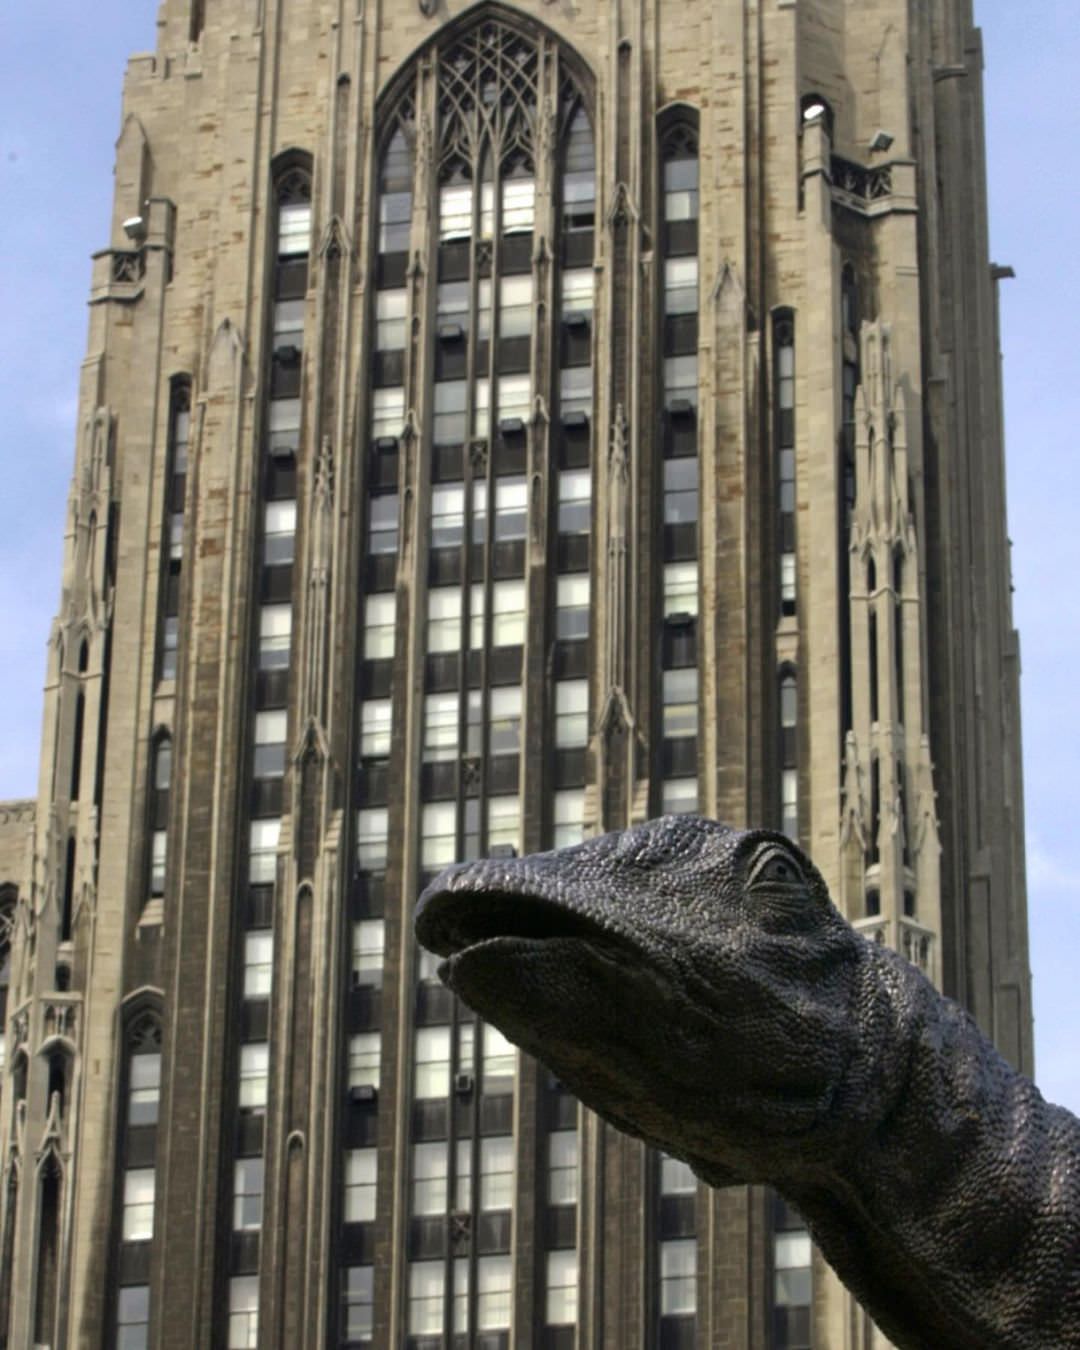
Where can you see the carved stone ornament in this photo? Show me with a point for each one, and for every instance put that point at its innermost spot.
(428, 7)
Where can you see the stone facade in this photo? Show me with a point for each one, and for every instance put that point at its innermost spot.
(499, 421)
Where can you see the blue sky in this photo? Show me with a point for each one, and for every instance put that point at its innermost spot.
(61, 67)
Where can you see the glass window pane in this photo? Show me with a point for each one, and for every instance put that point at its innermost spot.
(283, 429)
(476, 616)
(515, 306)
(383, 523)
(279, 536)
(571, 713)
(429, 1179)
(431, 1064)
(518, 203)
(562, 1280)
(365, 1054)
(387, 412)
(455, 211)
(680, 588)
(390, 307)
(372, 832)
(511, 508)
(254, 1071)
(681, 491)
(680, 285)
(426, 1281)
(444, 619)
(569, 817)
(575, 496)
(447, 515)
(578, 291)
(572, 606)
(680, 702)
(508, 613)
(493, 1287)
(499, 1065)
(379, 626)
(243, 1312)
(438, 835)
(575, 389)
(262, 856)
(792, 1288)
(375, 727)
(678, 1277)
(481, 409)
(676, 1177)
(132, 1317)
(791, 1249)
(679, 796)
(448, 423)
(515, 397)
(504, 823)
(258, 963)
(144, 1089)
(504, 715)
(681, 380)
(562, 1188)
(294, 228)
(248, 1176)
(275, 636)
(789, 703)
(452, 303)
(360, 1177)
(497, 1169)
(138, 1217)
(369, 937)
(159, 856)
(440, 727)
(358, 1293)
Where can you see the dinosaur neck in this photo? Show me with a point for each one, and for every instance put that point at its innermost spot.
(932, 1217)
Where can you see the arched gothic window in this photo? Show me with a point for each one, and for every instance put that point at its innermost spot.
(493, 145)
(482, 354)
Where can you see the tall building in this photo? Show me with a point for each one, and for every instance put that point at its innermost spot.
(500, 422)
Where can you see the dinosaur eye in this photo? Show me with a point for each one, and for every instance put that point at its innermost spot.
(774, 867)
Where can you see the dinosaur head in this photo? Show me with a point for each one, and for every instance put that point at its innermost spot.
(691, 983)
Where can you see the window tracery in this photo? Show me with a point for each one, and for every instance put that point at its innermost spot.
(488, 142)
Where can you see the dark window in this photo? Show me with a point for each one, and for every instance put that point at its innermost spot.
(784, 433)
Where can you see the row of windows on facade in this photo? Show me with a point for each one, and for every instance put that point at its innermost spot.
(447, 516)
(268, 727)
(446, 616)
(513, 403)
(442, 720)
(464, 213)
(143, 1094)
(427, 1280)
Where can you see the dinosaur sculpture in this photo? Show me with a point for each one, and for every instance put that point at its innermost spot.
(696, 987)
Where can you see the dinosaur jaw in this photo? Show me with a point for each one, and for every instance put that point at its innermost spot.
(450, 922)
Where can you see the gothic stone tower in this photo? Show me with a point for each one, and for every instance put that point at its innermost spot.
(500, 422)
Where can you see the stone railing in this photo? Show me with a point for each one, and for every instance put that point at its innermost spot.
(916, 943)
(859, 186)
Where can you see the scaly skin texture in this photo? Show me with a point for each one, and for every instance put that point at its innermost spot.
(696, 987)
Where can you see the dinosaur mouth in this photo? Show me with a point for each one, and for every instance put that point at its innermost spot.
(450, 922)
